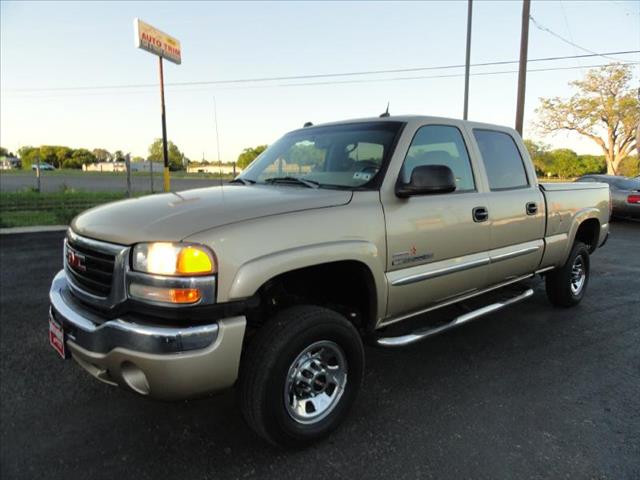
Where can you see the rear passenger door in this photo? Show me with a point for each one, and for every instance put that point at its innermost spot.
(515, 204)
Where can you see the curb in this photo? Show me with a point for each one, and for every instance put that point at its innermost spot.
(34, 229)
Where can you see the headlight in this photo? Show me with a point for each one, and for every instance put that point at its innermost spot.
(165, 258)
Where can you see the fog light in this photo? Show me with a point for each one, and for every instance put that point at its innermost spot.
(163, 294)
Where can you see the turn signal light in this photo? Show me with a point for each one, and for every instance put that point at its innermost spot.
(164, 295)
(193, 261)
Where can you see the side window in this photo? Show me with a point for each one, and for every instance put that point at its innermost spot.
(440, 145)
(502, 160)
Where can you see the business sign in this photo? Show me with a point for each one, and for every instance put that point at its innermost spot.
(157, 42)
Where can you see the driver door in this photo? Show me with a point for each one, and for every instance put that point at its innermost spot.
(435, 248)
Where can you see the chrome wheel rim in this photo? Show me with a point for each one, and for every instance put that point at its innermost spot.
(578, 275)
(315, 382)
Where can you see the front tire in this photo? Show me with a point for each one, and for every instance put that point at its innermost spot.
(300, 375)
(567, 285)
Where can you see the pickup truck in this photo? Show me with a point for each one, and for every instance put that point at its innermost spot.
(337, 235)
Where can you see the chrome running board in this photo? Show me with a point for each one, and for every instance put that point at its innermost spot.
(421, 334)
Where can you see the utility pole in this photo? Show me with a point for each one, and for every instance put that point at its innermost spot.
(215, 117)
(127, 163)
(522, 71)
(165, 151)
(467, 63)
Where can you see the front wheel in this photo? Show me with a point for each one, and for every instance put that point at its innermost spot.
(567, 285)
(300, 375)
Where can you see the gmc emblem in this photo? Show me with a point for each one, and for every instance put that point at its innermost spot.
(76, 260)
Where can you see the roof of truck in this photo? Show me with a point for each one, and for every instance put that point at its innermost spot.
(414, 119)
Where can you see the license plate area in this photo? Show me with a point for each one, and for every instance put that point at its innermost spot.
(56, 337)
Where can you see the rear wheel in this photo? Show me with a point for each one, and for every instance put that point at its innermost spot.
(300, 374)
(567, 285)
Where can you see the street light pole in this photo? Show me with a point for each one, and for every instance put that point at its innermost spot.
(467, 64)
(522, 70)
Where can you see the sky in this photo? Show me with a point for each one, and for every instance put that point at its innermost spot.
(55, 55)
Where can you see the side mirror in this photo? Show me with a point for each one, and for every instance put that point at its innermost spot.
(428, 179)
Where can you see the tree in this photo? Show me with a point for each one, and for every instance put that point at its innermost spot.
(80, 157)
(118, 156)
(539, 154)
(249, 154)
(102, 155)
(604, 109)
(4, 152)
(176, 157)
(28, 156)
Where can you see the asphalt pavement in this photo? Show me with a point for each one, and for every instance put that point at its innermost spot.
(96, 182)
(529, 392)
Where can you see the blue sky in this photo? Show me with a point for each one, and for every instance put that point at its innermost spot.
(53, 45)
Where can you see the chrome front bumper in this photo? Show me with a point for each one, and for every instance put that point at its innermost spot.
(162, 362)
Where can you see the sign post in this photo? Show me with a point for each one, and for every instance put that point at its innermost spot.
(164, 46)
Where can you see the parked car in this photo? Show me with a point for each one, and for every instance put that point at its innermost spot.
(625, 194)
(335, 235)
(43, 166)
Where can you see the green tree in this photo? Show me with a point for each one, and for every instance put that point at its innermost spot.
(28, 156)
(249, 154)
(176, 157)
(49, 155)
(102, 155)
(604, 108)
(80, 157)
(62, 154)
(4, 152)
(539, 153)
(118, 156)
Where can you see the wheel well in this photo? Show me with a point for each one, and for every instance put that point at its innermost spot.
(347, 287)
(589, 233)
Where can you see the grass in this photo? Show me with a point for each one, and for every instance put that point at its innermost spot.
(80, 173)
(28, 208)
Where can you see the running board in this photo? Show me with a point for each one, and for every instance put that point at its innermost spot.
(421, 334)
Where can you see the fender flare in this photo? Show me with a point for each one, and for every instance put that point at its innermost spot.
(256, 272)
(578, 219)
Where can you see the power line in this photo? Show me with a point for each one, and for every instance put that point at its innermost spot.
(330, 82)
(539, 26)
(316, 76)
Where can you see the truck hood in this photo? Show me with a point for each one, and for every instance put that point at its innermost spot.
(174, 216)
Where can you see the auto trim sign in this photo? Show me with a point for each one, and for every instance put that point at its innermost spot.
(157, 42)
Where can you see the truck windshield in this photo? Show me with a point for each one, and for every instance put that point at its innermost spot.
(336, 156)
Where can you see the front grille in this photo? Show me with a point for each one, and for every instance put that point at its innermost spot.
(90, 269)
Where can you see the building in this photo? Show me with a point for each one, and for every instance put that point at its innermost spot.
(9, 163)
(225, 168)
(104, 167)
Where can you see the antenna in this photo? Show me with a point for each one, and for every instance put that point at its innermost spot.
(386, 113)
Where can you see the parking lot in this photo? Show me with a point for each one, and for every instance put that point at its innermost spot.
(529, 392)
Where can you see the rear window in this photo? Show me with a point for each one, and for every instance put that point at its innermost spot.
(502, 160)
(624, 184)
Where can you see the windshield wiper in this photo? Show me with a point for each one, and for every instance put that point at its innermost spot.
(300, 181)
(243, 181)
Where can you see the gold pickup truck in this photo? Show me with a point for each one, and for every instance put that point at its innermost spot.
(358, 231)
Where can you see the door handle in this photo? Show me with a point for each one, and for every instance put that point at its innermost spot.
(532, 208)
(480, 214)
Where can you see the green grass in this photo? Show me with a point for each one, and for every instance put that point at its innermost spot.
(28, 208)
(80, 173)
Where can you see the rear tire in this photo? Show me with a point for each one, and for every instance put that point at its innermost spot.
(567, 285)
(300, 375)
